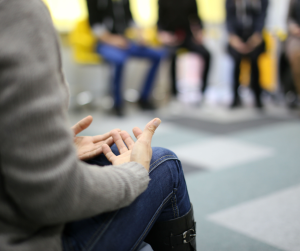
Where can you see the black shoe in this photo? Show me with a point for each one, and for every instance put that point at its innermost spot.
(174, 235)
(146, 105)
(259, 105)
(118, 110)
(236, 103)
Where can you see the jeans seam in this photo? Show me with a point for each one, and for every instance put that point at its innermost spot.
(86, 246)
(176, 207)
(150, 223)
(173, 207)
(69, 246)
(98, 233)
(154, 167)
(161, 158)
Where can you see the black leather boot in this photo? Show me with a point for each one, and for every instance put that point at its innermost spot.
(174, 235)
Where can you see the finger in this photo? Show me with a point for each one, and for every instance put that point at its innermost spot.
(127, 139)
(108, 153)
(91, 154)
(82, 125)
(108, 142)
(137, 132)
(150, 128)
(119, 141)
(105, 136)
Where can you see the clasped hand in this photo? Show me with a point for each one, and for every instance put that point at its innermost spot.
(139, 151)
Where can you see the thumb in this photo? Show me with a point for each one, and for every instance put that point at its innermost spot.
(82, 125)
(150, 128)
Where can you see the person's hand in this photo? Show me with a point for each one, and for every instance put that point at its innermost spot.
(140, 38)
(88, 147)
(119, 41)
(254, 41)
(238, 44)
(294, 29)
(168, 38)
(197, 33)
(139, 151)
(114, 40)
(198, 36)
(142, 151)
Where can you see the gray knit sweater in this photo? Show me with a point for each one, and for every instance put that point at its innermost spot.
(43, 185)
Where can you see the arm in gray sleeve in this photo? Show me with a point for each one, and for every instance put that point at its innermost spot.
(40, 171)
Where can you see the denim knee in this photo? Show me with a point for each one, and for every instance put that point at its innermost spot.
(161, 155)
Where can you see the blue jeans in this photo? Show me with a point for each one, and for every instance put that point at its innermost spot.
(118, 57)
(166, 198)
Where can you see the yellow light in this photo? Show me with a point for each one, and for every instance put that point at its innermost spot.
(66, 13)
(144, 12)
(212, 11)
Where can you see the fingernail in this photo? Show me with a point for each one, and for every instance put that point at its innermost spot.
(157, 122)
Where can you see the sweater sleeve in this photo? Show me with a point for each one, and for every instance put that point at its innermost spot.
(96, 13)
(161, 22)
(193, 14)
(128, 13)
(231, 17)
(261, 18)
(41, 173)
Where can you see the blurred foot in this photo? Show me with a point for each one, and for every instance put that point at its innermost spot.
(259, 105)
(118, 111)
(292, 105)
(146, 105)
(236, 103)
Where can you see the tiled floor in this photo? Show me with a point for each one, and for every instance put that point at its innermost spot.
(242, 169)
(270, 219)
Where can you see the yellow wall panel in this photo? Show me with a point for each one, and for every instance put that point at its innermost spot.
(212, 11)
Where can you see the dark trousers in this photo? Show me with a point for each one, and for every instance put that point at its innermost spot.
(253, 57)
(118, 58)
(192, 46)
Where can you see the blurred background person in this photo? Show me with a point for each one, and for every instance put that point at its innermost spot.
(245, 22)
(109, 20)
(181, 27)
(293, 42)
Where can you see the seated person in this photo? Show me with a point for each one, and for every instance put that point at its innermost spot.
(245, 22)
(50, 199)
(181, 27)
(293, 42)
(109, 19)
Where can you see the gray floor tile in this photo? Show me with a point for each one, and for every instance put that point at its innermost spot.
(222, 128)
(273, 219)
(191, 169)
(222, 152)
